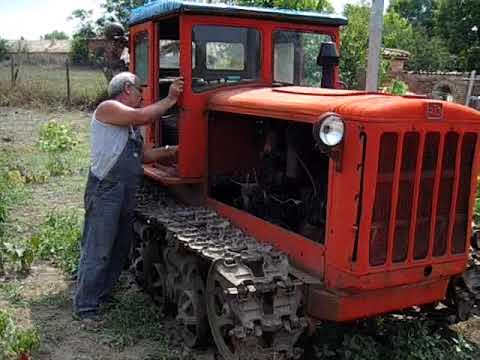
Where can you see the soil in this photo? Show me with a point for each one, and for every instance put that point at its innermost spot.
(46, 290)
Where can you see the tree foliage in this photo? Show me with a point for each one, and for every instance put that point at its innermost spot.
(316, 5)
(458, 22)
(56, 35)
(354, 44)
(419, 13)
(119, 10)
(3, 49)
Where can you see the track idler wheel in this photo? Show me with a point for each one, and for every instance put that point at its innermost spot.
(191, 311)
(234, 341)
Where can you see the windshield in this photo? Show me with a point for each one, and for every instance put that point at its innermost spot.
(295, 58)
(224, 55)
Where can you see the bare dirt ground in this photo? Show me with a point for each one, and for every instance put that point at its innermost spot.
(44, 295)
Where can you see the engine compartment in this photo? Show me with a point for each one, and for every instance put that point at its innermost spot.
(271, 169)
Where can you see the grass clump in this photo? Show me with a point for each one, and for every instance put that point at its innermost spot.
(58, 240)
(15, 342)
(132, 319)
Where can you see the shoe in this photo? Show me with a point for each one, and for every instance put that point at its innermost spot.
(89, 319)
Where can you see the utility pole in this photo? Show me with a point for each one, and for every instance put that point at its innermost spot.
(374, 45)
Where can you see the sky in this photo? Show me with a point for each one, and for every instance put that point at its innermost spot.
(34, 18)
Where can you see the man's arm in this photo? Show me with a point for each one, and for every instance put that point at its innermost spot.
(115, 113)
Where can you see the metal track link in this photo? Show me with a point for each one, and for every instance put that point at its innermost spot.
(252, 302)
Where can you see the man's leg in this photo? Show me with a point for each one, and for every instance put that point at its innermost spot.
(101, 219)
(121, 247)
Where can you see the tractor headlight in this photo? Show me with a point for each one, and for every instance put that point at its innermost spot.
(329, 130)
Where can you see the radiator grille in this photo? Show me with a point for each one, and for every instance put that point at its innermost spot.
(442, 163)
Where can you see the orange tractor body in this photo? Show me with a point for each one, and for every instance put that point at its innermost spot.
(398, 189)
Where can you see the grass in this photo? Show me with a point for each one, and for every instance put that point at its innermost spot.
(132, 319)
(45, 87)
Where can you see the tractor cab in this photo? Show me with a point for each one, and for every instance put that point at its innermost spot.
(216, 47)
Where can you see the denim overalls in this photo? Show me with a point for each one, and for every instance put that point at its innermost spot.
(109, 205)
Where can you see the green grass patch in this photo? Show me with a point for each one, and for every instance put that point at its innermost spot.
(15, 342)
(132, 319)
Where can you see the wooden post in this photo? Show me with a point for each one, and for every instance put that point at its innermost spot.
(12, 70)
(374, 44)
(67, 66)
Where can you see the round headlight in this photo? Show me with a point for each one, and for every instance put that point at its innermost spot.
(331, 130)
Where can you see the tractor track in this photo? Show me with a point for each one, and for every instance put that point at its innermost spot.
(218, 280)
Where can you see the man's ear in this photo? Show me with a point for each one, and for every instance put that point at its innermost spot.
(127, 89)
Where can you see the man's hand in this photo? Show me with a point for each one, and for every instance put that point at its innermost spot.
(176, 89)
(165, 155)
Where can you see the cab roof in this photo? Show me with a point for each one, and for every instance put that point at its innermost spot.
(159, 8)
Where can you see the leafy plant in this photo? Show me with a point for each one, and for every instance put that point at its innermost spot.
(15, 342)
(58, 240)
(55, 137)
(397, 87)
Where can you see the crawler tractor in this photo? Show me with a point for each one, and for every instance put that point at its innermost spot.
(291, 200)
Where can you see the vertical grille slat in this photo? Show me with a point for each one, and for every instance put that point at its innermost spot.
(445, 194)
(424, 211)
(427, 178)
(411, 142)
(383, 198)
(460, 227)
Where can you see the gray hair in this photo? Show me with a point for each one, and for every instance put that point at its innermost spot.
(118, 82)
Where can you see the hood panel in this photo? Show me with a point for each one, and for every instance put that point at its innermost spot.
(308, 104)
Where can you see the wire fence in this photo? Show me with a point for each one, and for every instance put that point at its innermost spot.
(52, 84)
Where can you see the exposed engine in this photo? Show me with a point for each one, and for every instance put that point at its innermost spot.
(288, 187)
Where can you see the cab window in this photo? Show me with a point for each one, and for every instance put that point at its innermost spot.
(224, 55)
(295, 57)
(141, 56)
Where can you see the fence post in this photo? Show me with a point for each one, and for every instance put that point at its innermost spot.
(12, 70)
(67, 65)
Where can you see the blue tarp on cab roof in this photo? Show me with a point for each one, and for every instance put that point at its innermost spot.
(166, 7)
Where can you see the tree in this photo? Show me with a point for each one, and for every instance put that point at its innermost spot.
(119, 10)
(458, 22)
(354, 44)
(419, 13)
(3, 49)
(56, 35)
(86, 30)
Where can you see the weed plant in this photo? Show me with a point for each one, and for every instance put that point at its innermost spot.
(58, 240)
(392, 337)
